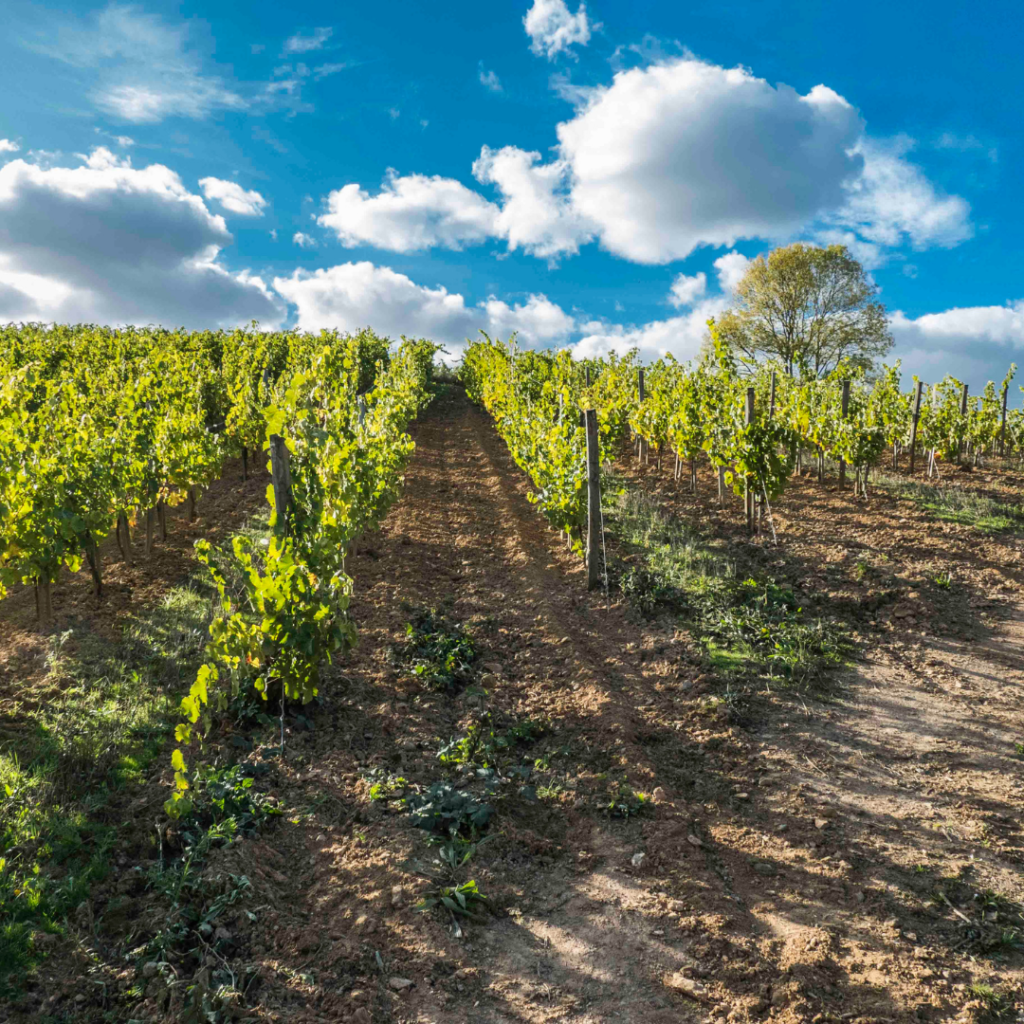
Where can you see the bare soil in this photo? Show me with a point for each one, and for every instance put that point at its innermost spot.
(790, 866)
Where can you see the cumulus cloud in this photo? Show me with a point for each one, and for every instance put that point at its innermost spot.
(553, 28)
(316, 40)
(730, 269)
(686, 290)
(892, 202)
(304, 241)
(683, 154)
(409, 213)
(8, 146)
(109, 243)
(975, 343)
(536, 214)
(352, 295)
(233, 197)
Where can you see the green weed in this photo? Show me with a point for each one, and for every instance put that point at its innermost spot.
(440, 652)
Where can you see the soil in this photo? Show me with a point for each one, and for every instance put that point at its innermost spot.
(789, 867)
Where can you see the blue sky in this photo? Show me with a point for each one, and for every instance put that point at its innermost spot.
(589, 175)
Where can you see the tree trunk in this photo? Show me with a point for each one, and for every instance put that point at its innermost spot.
(245, 463)
(191, 504)
(161, 514)
(150, 523)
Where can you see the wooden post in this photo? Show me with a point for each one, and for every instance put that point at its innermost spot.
(748, 494)
(914, 422)
(771, 398)
(593, 502)
(1002, 428)
(245, 463)
(191, 504)
(93, 555)
(150, 523)
(161, 515)
(640, 397)
(843, 409)
(124, 538)
(44, 601)
(963, 415)
(282, 482)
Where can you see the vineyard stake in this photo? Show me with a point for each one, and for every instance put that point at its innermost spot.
(771, 398)
(161, 514)
(748, 494)
(914, 423)
(1002, 428)
(640, 398)
(963, 414)
(282, 481)
(844, 407)
(593, 500)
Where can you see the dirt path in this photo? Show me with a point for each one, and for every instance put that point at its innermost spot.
(787, 871)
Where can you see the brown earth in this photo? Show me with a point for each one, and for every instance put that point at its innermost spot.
(790, 867)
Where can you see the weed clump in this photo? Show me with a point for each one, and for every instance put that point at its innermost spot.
(438, 651)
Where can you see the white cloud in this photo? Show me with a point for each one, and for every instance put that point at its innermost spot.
(322, 71)
(686, 290)
(682, 154)
(316, 40)
(553, 29)
(304, 241)
(146, 69)
(490, 80)
(538, 322)
(108, 243)
(975, 343)
(730, 269)
(892, 202)
(233, 197)
(680, 336)
(409, 213)
(352, 295)
(7, 146)
(967, 144)
(536, 214)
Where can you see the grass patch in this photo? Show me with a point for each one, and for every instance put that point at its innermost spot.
(954, 504)
(743, 624)
(106, 711)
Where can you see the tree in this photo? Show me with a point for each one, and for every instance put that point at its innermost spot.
(809, 307)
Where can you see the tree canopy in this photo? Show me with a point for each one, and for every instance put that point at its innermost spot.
(809, 307)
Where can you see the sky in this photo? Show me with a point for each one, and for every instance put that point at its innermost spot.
(590, 175)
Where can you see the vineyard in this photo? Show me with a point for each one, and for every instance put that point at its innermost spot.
(338, 685)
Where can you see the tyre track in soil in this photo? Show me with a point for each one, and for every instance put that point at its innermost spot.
(586, 935)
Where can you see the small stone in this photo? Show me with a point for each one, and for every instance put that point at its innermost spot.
(362, 1016)
(820, 822)
(694, 841)
(689, 987)
(637, 859)
(401, 984)
(357, 995)
(659, 795)
(742, 796)
(151, 969)
(766, 868)
(221, 934)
